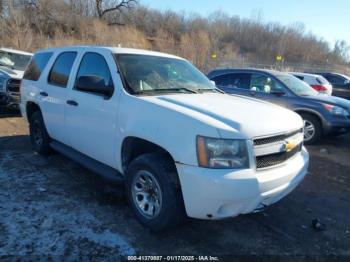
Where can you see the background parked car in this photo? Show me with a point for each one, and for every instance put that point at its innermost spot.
(340, 83)
(317, 82)
(323, 115)
(12, 66)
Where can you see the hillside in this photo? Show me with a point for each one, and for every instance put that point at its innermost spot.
(213, 41)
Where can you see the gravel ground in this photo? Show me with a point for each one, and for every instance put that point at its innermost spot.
(52, 206)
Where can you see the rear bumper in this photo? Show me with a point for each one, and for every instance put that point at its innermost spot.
(216, 194)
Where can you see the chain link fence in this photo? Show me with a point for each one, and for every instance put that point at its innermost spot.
(284, 66)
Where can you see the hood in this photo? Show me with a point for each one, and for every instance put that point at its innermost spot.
(11, 73)
(333, 100)
(250, 117)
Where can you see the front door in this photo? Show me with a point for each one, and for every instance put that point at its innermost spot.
(265, 87)
(91, 117)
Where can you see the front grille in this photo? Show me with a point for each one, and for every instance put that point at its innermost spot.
(273, 139)
(276, 159)
(13, 85)
(271, 151)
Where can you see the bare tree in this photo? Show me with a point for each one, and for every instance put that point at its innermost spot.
(104, 7)
(209, 42)
(341, 49)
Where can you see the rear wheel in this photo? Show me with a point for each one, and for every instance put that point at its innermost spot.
(312, 129)
(38, 135)
(153, 193)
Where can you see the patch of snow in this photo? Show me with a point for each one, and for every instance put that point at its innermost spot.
(109, 239)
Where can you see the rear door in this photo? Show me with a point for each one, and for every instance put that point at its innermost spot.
(53, 91)
(91, 117)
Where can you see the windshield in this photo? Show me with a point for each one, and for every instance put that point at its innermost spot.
(14, 61)
(144, 74)
(298, 86)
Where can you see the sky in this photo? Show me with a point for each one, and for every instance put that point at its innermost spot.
(327, 19)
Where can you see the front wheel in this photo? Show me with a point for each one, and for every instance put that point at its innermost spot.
(152, 192)
(312, 129)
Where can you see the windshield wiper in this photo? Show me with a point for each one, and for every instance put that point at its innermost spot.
(217, 90)
(180, 89)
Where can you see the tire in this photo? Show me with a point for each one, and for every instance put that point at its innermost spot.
(312, 129)
(38, 134)
(165, 205)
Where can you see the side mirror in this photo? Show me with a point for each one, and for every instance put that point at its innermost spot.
(213, 82)
(347, 81)
(94, 84)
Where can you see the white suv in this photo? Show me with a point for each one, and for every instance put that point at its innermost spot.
(155, 123)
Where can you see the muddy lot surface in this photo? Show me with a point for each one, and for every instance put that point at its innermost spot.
(53, 206)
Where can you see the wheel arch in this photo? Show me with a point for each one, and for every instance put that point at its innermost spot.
(132, 147)
(31, 107)
(314, 113)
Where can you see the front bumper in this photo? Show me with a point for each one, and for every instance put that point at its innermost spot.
(10, 99)
(218, 193)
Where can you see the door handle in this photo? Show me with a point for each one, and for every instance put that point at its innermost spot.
(44, 94)
(72, 103)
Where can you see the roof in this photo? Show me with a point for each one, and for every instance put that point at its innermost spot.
(117, 50)
(217, 72)
(304, 74)
(15, 51)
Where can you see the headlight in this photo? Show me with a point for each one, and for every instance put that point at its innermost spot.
(2, 84)
(336, 110)
(222, 153)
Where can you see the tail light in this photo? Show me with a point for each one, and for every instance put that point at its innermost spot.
(319, 87)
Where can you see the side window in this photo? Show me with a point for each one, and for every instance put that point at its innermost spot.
(300, 77)
(338, 80)
(224, 80)
(94, 65)
(233, 80)
(264, 83)
(36, 66)
(60, 71)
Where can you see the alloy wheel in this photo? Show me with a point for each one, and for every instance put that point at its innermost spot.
(146, 194)
(309, 130)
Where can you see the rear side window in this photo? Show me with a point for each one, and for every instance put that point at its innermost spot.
(300, 77)
(321, 80)
(224, 80)
(60, 71)
(235, 80)
(36, 66)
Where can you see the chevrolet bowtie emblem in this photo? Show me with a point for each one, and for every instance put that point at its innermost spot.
(288, 146)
